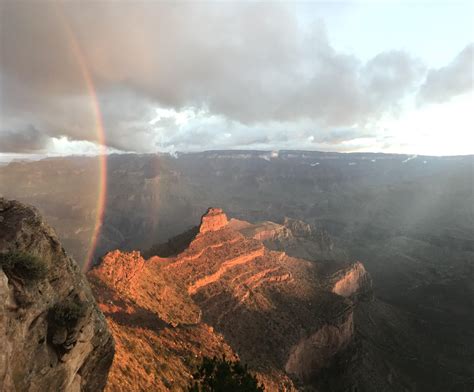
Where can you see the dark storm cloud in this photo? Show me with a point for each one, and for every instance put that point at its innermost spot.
(22, 141)
(454, 79)
(252, 64)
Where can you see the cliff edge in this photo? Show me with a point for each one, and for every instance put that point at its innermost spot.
(53, 336)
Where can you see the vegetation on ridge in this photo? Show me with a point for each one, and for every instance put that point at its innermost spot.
(67, 313)
(23, 265)
(221, 375)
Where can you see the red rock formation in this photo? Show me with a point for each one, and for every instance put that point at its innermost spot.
(294, 237)
(261, 231)
(214, 219)
(352, 281)
(224, 267)
(275, 311)
(121, 269)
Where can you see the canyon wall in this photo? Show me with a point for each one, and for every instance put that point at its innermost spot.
(53, 336)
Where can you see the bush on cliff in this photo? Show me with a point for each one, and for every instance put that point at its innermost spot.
(67, 313)
(24, 266)
(220, 375)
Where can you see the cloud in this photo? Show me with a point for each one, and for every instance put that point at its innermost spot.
(251, 71)
(447, 82)
(25, 140)
(389, 77)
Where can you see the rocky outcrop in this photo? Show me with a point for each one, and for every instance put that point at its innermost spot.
(214, 219)
(297, 238)
(316, 351)
(352, 282)
(225, 266)
(294, 237)
(277, 313)
(298, 227)
(53, 336)
(121, 269)
(262, 231)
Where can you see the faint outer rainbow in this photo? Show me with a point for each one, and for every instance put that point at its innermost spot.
(99, 125)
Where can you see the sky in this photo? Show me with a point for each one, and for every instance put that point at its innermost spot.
(380, 76)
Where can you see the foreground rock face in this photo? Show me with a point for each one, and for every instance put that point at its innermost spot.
(52, 335)
(225, 293)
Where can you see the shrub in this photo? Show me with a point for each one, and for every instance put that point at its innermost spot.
(67, 313)
(220, 375)
(23, 266)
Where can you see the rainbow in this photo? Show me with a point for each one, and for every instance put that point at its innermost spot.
(99, 126)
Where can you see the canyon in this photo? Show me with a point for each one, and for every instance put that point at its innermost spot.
(225, 294)
(408, 219)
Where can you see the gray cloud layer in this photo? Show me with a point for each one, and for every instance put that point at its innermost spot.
(251, 66)
(454, 79)
(24, 140)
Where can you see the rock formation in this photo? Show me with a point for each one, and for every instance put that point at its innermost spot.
(352, 281)
(214, 219)
(294, 237)
(225, 293)
(53, 336)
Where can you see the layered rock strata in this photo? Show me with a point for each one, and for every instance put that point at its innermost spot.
(225, 293)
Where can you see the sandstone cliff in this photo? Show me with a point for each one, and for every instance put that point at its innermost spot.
(53, 336)
(224, 293)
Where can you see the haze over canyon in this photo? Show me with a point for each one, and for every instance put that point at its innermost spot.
(319, 270)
